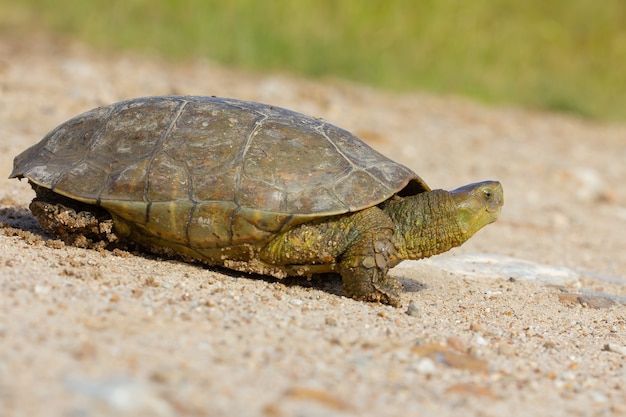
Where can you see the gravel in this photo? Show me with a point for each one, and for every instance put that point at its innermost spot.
(528, 318)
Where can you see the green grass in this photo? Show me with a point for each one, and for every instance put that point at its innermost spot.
(563, 55)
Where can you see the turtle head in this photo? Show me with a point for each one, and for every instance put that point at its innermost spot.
(433, 222)
(478, 205)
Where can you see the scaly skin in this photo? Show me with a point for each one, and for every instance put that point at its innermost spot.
(362, 246)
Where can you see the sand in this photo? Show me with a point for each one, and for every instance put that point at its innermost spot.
(527, 318)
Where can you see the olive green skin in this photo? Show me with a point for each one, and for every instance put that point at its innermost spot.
(249, 186)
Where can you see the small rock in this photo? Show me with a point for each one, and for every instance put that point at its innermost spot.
(479, 340)
(549, 344)
(330, 321)
(595, 301)
(613, 347)
(560, 220)
(456, 343)
(506, 349)
(476, 327)
(471, 388)
(413, 310)
(41, 289)
(451, 359)
(598, 397)
(321, 398)
(426, 366)
(586, 300)
(568, 299)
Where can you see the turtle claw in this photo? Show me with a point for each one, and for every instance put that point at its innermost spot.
(386, 293)
(389, 292)
(372, 284)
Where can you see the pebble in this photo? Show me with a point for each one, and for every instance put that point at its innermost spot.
(471, 389)
(330, 321)
(413, 310)
(479, 340)
(451, 359)
(613, 347)
(506, 349)
(41, 289)
(586, 300)
(426, 366)
(476, 327)
(598, 397)
(456, 343)
(595, 301)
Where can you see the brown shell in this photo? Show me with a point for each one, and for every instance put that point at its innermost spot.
(211, 172)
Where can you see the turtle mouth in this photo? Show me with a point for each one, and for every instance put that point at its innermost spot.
(493, 214)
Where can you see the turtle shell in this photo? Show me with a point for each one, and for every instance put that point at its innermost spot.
(207, 172)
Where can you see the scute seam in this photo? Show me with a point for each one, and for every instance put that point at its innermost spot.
(354, 166)
(159, 145)
(238, 162)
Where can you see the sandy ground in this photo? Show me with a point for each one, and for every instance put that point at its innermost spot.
(528, 318)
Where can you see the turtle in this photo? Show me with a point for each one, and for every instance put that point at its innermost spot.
(247, 186)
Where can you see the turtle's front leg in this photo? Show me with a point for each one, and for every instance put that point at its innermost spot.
(364, 267)
(357, 245)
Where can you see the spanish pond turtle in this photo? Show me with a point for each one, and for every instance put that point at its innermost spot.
(249, 186)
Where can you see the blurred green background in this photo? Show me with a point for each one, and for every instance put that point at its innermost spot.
(559, 55)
